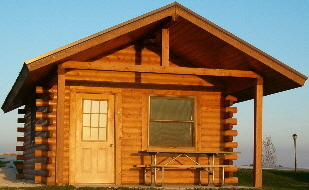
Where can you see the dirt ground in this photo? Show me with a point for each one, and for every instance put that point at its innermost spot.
(8, 176)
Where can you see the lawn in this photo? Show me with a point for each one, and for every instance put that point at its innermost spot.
(272, 180)
(276, 179)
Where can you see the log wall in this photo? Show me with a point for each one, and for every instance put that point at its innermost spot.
(46, 110)
(39, 116)
(213, 128)
(214, 115)
(212, 134)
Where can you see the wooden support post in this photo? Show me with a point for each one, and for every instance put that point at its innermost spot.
(165, 47)
(60, 126)
(258, 133)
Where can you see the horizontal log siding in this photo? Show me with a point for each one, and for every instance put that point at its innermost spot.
(132, 129)
(30, 145)
(41, 159)
(45, 117)
(134, 90)
(132, 139)
(227, 102)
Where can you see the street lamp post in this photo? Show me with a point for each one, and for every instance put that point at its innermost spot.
(295, 137)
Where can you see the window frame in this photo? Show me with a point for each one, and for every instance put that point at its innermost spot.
(194, 120)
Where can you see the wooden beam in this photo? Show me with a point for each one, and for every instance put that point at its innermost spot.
(20, 176)
(21, 120)
(42, 140)
(98, 65)
(258, 133)
(40, 102)
(21, 129)
(20, 139)
(60, 126)
(20, 157)
(20, 166)
(43, 166)
(165, 47)
(43, 179)
(43, 153)
(45, 127)
(21, 111)
(20, 148)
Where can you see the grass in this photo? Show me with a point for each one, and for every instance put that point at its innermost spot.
(276, 179)
(69, 187)
(272, 180)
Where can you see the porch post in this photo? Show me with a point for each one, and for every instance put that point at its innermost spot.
(258, 133)
(60, 126)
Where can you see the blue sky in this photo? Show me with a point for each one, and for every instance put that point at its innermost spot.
(278, 27)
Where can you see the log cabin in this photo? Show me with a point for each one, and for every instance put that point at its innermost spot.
(148, 101)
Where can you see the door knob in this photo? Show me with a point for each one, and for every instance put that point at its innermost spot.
(111, 145)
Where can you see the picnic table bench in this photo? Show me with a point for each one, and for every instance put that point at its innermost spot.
(210, 167)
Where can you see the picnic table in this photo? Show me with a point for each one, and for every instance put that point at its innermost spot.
(153, 167)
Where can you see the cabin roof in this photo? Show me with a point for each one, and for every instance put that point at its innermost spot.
(193, 38)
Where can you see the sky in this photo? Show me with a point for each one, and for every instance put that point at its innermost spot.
(278, 27)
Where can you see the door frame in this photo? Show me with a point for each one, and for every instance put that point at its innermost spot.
(117, 131)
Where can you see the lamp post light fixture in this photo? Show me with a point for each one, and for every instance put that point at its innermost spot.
(295, 137)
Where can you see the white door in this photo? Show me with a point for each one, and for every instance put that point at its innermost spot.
(94, 134)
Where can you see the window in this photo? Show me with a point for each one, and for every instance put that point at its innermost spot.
(94, 120)
(171, 122)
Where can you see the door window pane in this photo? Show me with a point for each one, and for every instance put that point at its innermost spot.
(95, 106)
(86, 120)
(87, 106)
(86, 133)
(103, 106)
(94, 120)
(103, 120)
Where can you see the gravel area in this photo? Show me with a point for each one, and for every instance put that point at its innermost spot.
(8, 176)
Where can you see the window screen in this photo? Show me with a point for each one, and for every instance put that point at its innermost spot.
(171, 122)
(94, 120)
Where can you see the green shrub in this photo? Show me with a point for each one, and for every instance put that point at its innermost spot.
(3, 163)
